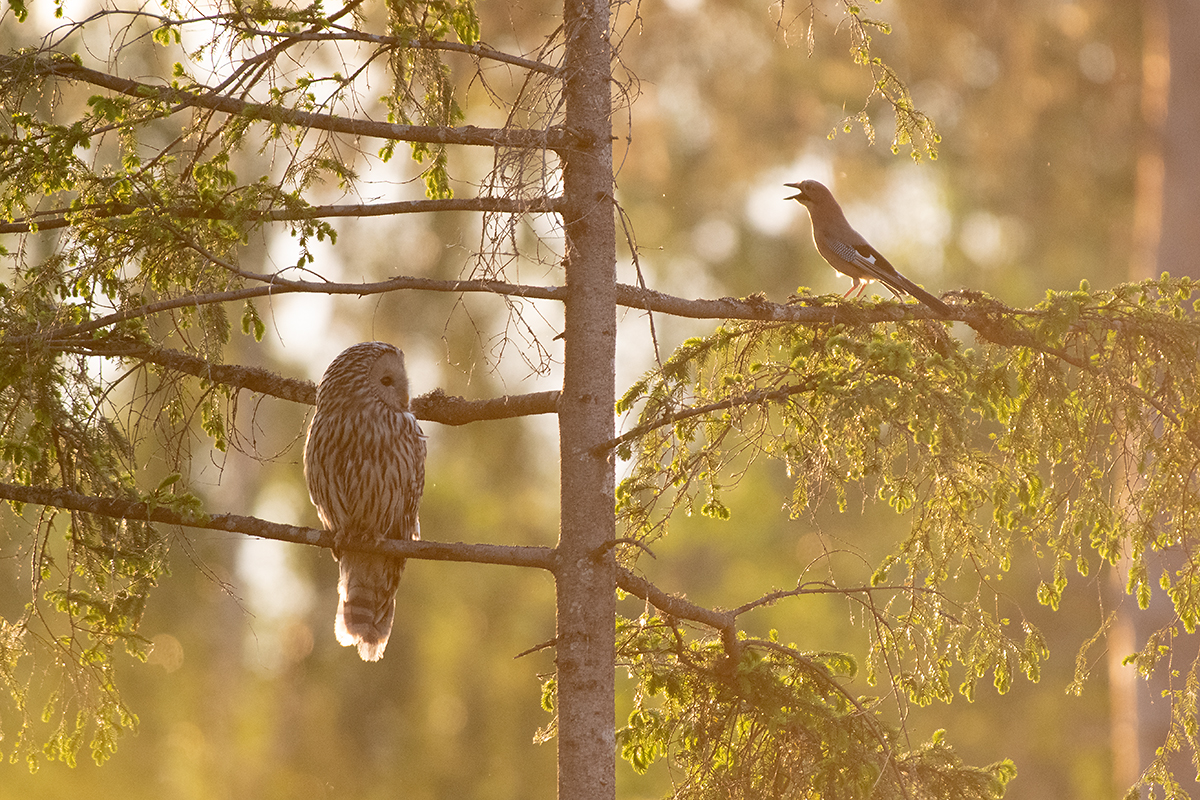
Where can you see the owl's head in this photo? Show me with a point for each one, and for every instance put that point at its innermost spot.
(388, 380)
(362, 372)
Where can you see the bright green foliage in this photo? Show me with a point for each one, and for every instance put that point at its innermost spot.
(1071, 432)
(154, 194)
(773, 722)
(422, 92)
(94, 571)
(913, 127)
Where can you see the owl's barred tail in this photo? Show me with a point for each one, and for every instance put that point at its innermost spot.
(367, 602)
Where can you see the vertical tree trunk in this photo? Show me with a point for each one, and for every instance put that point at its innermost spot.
(1178, 248)
(586, 576)
(1180, 244)
(1166, 239)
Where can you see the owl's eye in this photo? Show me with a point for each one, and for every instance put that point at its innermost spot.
(387, 380)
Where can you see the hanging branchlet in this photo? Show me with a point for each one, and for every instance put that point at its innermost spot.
(985, 451)
(914, 128)
(769, 724)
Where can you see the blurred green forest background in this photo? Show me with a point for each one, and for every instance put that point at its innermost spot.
(1042, 109)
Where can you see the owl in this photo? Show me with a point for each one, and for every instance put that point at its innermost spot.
(364, 462)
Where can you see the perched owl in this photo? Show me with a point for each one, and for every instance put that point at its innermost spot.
(364, 462)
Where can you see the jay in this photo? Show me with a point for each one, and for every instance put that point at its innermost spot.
(848, 252)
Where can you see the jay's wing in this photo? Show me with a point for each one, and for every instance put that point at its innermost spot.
(873, 263)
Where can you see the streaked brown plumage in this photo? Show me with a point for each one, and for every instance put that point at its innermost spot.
(364, 462)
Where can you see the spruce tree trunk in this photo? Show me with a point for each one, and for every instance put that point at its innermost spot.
(586, 575)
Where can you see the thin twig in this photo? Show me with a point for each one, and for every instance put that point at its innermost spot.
(537, 647)
(821, 587)
(52, 219)
(344, 34)
(752, 398)
(284, 286)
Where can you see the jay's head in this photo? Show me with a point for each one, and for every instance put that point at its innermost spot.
(811, 193)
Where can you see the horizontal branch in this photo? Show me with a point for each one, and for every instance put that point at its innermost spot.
(62, 217)
(255, 379)
(434, 406)
(812, 310)
(680, 608)
(63, 66)
(510, 555)
(752, 308)
(449, 410)
(992, 320)
(274, 286)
